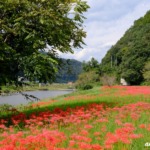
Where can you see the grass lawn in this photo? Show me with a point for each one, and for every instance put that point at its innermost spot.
(113, 118)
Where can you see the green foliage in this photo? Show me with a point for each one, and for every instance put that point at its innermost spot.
(87, 87)
(29, 28)
(90, 65)
(131, 75)
(68, 71)
(127, 58)
(40, 66)
(90, 75)
(86, 79)
(146, 72)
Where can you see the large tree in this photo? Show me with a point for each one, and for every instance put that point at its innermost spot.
(33, 31)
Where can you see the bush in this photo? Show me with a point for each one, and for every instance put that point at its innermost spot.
(146, 72)
(132, 77)
(85, 87)
(146, 83)
(86, 80)
(108, 80)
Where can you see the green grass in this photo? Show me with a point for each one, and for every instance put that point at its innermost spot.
(108, 100)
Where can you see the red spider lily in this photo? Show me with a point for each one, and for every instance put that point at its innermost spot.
(80, 128)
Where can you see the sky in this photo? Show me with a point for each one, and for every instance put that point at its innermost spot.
(106, 23)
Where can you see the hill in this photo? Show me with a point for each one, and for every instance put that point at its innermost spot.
(68, 71)
(128, 56)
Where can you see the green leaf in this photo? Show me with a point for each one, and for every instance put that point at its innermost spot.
(28, 36)
(41, 20)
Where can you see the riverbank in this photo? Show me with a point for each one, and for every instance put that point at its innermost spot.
(7, 90)
(112, 96)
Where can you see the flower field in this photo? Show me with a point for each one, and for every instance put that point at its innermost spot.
(116, 118)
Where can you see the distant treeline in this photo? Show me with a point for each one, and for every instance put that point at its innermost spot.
(68, 71)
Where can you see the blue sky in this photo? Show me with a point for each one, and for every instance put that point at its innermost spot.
(106, 23)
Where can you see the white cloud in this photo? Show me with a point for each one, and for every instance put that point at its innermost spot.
(106, 23)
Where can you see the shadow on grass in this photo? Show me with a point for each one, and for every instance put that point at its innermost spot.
(69, 105)
(51, 108)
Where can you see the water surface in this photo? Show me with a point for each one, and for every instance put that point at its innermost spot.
(17, 99)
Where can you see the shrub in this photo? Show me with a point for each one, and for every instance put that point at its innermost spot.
(146, 73)
(85, 87)
(108, 80)
(86, 79)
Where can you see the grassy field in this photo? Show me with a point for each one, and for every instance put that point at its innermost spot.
(113, 118)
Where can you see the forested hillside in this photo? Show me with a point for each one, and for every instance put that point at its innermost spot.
(128, 57)
(68, 71)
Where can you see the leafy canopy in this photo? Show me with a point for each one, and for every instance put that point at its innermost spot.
(32, 32)
(93, 64)
(128, 56)
(146, 72)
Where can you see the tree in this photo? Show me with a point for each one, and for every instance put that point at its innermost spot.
(146, 72)
(90, 65)
(87, 79)
(68, 71)
(33, 31)
(128, 56)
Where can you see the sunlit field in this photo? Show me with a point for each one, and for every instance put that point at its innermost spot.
(103, 118)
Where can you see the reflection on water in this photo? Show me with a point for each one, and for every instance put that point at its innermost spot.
(17, 99)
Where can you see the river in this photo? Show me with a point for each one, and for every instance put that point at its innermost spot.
(17, 98)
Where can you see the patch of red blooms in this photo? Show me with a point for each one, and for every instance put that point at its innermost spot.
(129, 90)
(81, 128)
(124, 135)
(43, 103)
